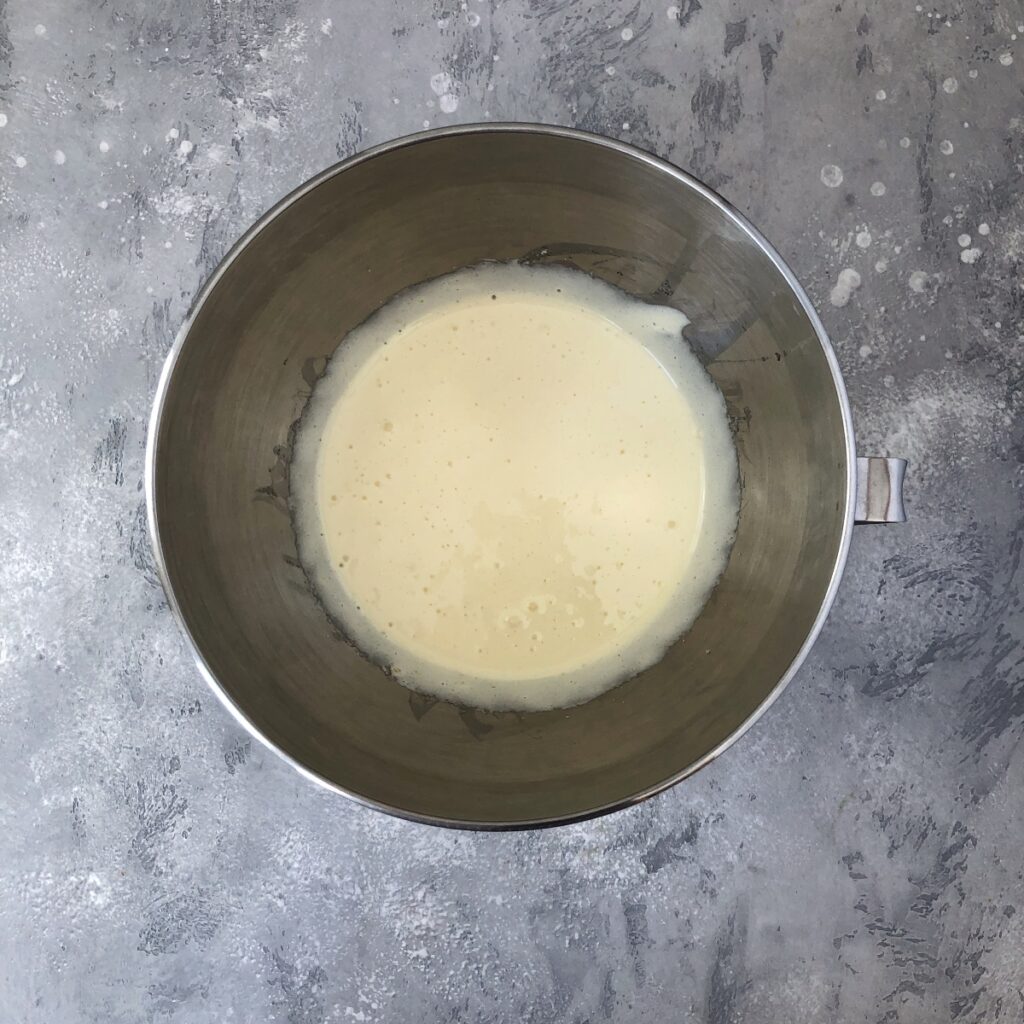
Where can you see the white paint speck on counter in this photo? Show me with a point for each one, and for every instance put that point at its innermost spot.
(918, 281)
(831, 176)
(441, 83)
(846, 284)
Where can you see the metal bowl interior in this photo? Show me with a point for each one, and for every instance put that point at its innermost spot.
(242, 368)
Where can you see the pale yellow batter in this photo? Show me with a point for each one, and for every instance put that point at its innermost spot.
(515, 486)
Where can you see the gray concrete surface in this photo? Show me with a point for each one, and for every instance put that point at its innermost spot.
(858, 857)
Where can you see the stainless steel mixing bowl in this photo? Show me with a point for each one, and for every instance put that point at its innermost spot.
(326, 257)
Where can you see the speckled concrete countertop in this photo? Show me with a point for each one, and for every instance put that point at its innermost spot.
(857, 857)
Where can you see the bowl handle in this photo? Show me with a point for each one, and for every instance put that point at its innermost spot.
(880, 490)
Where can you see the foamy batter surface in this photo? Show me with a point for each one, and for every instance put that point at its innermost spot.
(515, 486)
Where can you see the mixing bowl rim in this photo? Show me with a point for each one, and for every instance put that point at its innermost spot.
(525, 128)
